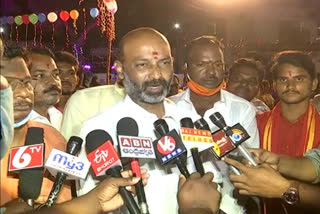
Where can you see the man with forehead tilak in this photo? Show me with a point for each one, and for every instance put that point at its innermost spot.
(146, 68)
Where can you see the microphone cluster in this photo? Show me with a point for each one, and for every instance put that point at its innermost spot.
(171, 147)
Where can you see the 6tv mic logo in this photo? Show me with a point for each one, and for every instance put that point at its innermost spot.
(26, 157)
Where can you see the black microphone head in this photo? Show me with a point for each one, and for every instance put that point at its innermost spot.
(74, 145)
(218, 120)
(186, 123)
(30, 183)
(30, 180)
(34, 136)
(161, 127)
(127, 126)
(96, 138)
(202, 124)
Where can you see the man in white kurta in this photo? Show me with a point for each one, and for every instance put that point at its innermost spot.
(145, 65)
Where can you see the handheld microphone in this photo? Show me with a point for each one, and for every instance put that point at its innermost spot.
(188, 123)
(169, 147)
(203, 125)
(127, 127)
(105, 160)
(30, 179)
(73, 147)
(219, 121)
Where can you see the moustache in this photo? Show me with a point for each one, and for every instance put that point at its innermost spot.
(52, 88)
(66, 83)
(155, 82)
(290, 91)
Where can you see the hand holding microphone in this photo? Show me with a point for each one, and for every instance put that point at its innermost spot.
(105, 160)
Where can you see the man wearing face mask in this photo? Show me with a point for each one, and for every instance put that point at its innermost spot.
(205, 69)
(47, 87)
(14, 69)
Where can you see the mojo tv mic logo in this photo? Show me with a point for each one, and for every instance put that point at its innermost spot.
(136, 147)
(167, 148)
(26, 157)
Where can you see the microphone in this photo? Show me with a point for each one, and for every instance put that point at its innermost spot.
(188, 123)
(105, 160)
(236, 138)
(30, 178)
(29, 156)
(128, 127)
(203, 125)
(169, 147)
(68, 168)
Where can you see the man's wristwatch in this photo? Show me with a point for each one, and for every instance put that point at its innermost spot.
(291, 196)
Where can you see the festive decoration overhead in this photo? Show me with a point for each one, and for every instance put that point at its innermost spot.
(52, 17)
(74, 14)
(18, 20)
(64, 16)
(112, 6)
(33, 18)
(42, 17)
(10, 20)
(25, 19)
(94, 12)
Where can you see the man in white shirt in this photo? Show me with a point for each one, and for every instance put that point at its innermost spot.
(47, 87)
(146, 68)
(205, 94)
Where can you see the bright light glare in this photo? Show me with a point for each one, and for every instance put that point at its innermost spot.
(1, 30)
(176, 26)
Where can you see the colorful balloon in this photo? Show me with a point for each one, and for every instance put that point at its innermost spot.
(94, 12)
(25, 19)
(64, 15)
(52, 17)
(18, 20)
(74, 14)
(112, 6)
(42, 17)
(3, 20)
(33, 18)
(10, 20)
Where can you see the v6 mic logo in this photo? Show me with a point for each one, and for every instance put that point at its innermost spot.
(166, 145)
(26, 157)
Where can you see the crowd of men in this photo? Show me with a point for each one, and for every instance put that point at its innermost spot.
(43, 89)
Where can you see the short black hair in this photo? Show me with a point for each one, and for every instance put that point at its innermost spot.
(67, 57)
(41, 51)
(250, 63)
(296, 58)
(202, 40)
(11, 52)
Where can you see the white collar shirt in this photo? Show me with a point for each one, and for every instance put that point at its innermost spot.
(162, 185)
(234, 109)
(55, 117)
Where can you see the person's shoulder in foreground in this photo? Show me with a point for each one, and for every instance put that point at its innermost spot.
(86, 103)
